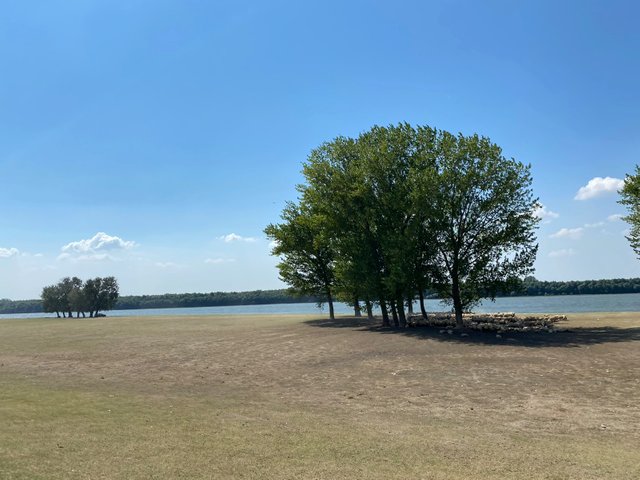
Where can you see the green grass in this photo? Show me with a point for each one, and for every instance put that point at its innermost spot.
(288, 397)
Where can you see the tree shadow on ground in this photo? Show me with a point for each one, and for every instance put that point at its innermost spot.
(564, 337)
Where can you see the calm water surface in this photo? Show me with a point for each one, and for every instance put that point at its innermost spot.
(629, 302)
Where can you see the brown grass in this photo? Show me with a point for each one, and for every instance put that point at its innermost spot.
(298, 397)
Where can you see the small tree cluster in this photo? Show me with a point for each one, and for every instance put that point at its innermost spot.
(401, 209)
(73, 295)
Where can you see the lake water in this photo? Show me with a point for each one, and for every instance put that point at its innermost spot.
(629, 302)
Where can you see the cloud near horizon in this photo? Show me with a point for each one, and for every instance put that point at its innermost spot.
(166, 264)
(594, 225)
(543, 213)
(232, 237)
(273, 244)
(572, 233)
(565, 252)
(598, 186)
(217, 261)
(9, 252)
(88, 258)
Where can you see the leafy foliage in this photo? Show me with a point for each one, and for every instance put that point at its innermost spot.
(480, 216)
(307, 253)
(630, 194)
(72, 295)
(402, 209)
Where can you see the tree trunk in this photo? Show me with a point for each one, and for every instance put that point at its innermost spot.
(385, 314)
(83, 315)
(457, 302)
(356, 308)
(367, 304)
(64, 315)
(70, 314)
(422, 309)
(394, 312)
(58, 314)
(401, 315)
(410, 306)
(330, 301)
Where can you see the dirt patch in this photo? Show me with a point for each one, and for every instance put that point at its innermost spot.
(501, 401)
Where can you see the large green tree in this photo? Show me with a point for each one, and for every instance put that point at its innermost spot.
(402, 209)
(480, 214)
(630, 194)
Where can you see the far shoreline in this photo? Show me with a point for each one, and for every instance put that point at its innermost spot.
(532, 288)
(549, 304)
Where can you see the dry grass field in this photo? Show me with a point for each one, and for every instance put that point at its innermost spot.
(293, 397)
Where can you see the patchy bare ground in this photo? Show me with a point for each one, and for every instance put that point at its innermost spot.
(301, 397)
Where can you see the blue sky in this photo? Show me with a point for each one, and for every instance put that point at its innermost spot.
(137, 136)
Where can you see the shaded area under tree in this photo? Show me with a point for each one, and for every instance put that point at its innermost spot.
(569, 337)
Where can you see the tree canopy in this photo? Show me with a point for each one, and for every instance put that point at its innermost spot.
(480, 217)
(308, 255)
(630, 194)
(402, 209)
(73, 295)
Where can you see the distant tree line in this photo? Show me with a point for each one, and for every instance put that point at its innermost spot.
(534, 287)
(20, 306)
(212, 299)
(72, 295)
(179, 300)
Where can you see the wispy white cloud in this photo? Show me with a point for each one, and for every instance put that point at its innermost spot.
(30, 255)
(166, 264)
(598, 186)
(565, 252)
(232, 237)
(572, 233)
(87, 257)
(273, 244)
(96, 257)
(9, 252)
(616, 217)
(216, 261)
(594, 225)
(99, 242)
(543, 213)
